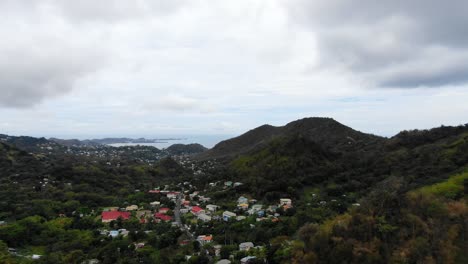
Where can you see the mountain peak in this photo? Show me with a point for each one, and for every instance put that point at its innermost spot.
(323, 130)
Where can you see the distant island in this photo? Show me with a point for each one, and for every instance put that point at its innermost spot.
(108, 141)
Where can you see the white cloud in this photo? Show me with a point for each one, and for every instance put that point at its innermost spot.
(116, 67)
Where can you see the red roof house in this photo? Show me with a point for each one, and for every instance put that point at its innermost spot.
(162, 217)
(197, 210)
(114, 215)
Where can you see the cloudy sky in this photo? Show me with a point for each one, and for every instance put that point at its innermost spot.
(183, 67)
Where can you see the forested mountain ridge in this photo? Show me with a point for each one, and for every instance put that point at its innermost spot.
(324, 131)
(299, 160)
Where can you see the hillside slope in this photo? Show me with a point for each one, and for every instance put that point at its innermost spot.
(324, 131)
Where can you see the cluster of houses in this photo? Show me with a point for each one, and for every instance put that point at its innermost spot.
(244, 205)
(114, 213)
(158, 213)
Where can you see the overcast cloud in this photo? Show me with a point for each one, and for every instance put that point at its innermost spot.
(146, 68)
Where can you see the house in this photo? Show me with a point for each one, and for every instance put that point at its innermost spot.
(154, 191)
(204, 217)
(248, 259)
(246, 246)
(139, 245)
(163, 210)
(114, 233)
(143, 213)
(217, 249)
(184, 210)
(36, 256)
(285, 201)
(204, 199)
(124, 232)
(237, 184)
(228, 215)
(255, 208)
(224, 261)
(272, 208)
(114, 208)
(192, 195)
(196, 210)
(205, 239)
(162, 217)
(114, 215)
(242, 200)
(243, 206)
(131, 208)
(172, 195)
(212, 207)
(155, 203)
(240, 218)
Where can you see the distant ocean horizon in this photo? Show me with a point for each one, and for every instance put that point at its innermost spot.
(207, 141)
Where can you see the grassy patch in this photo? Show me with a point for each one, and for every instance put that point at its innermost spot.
(451, 188)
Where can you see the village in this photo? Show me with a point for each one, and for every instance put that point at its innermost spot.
(189, 210)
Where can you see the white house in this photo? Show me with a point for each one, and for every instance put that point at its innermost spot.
(155, 203)
(227, 215)
(242, 200)
(204, 217)
(246, 246)
(255, 208)
(247, 259)
(285, 201)
(212, 207)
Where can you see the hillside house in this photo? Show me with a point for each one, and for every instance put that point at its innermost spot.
(155, 203)
(131, 208)
(243, 206)
(109, 216)
(196, 210)
(204, 217)
(228, 215)
(143, 213)
(212, 207)
(162, 217)
(242, 200)
(248, 259)
(255, 208)
(205, 239)
(285, 201)
(246, 246)
(172, 195)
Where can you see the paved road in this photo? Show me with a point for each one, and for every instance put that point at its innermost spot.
(177, 216)
(177, 211)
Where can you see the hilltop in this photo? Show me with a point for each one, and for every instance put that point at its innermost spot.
(324, 131)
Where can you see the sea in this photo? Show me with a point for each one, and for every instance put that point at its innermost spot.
(207, 141)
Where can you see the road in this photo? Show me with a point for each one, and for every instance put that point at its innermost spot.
(177, 216)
